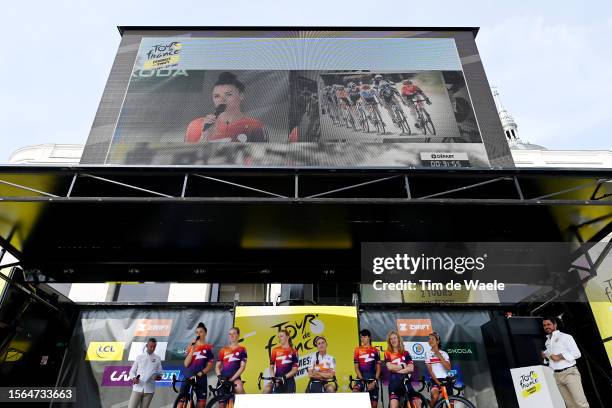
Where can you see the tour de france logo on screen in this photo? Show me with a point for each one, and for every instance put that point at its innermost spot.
(164, 55)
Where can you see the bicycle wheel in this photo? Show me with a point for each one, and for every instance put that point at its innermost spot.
(455, 402)
(405, 126)
(424, 402)
(214, 402)
(187, 403)
(429, 124)
(363, 120)
(380, 125)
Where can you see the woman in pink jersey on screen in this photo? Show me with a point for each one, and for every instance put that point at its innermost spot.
(227, 123)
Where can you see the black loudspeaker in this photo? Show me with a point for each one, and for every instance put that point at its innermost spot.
(510, 343)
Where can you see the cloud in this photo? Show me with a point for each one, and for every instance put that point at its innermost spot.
(553, 78)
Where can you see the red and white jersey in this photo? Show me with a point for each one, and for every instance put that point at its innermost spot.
(436, 364)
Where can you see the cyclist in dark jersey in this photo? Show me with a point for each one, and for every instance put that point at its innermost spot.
(232, 362)
(283, 363)
(400, 365)
(367, 366)
(198, 363)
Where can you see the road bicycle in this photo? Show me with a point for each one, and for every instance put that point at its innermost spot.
(223, 394)
(187, 401)
(424, 121)
(400, 118)
(375, 117)
(313, 385)
(452, 401)
(279, 384)
(407, 399)
(363, 384)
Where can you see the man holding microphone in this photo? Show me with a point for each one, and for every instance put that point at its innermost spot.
(144, 372)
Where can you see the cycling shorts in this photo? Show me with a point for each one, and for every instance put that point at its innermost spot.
(397, 390)
(287, 388)
(449, 387)
(373, 393)
(345, 100)
(355, 98)
(317, 387)
(200, 388)
(370, 101)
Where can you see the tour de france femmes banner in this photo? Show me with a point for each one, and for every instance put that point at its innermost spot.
(106, 341)
(334, 102)
(259, 327)
(460, 336)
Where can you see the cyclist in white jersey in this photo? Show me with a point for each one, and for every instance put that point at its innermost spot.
(322, 366)
(438, 364)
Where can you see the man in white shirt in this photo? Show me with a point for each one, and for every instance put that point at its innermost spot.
(562, 353)
(144, 372)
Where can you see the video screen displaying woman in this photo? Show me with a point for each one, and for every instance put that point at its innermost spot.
(227, 123)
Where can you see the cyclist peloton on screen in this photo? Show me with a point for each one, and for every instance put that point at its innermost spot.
(283, 363)
(367, 366)
(198, 363)
(400, 365)
(232, 362)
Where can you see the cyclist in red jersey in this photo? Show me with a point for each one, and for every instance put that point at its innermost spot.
(400, 365)
(198, 363)
(232, 362)
(367, 366)
(283, 363)
(410, 93)
(228, 123)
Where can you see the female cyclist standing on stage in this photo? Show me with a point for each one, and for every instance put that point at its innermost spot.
(400, 365)
(283, 363)
(438, 364)
(232, 362)
(198, 363)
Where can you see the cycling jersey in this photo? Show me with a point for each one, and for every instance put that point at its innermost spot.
(202, 355)
(411, 90)
(396, 381)
(368, 358)
(436, 364)
(321, 363)
(283, 359)
(386, 91)
(231, 358)
(341, 93)
(368, 93)
(245, 129)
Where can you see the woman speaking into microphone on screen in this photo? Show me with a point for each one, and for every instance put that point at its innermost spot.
(227, 123)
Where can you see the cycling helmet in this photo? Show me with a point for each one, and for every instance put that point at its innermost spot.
(407, 82)
(378, 77)
(352, 84)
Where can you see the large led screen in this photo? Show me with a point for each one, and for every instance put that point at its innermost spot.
(297, 102)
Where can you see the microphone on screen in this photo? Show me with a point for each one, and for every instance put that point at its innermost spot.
(198, 338)
(219, 110)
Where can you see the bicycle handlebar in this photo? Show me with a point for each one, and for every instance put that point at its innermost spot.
(274, 379)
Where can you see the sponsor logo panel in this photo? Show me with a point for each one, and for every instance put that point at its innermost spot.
(105, 351)
(139, 347)
(417, 349)
(414, 327)
(462, 351)
(118, 376)
(530, 384)
(153, 327)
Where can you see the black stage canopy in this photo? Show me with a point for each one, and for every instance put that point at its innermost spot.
(98, 224)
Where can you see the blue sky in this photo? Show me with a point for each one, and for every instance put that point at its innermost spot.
(551, 60)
